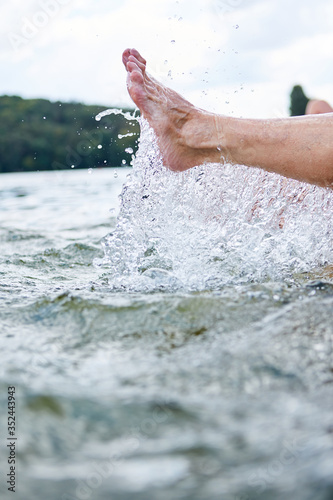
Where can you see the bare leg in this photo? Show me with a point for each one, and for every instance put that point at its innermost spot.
(315, 107)
(300, 147)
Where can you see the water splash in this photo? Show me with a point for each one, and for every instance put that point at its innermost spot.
(115, 111)
(213, 225)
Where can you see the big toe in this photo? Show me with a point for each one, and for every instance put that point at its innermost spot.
(126, 55)
(138, 56)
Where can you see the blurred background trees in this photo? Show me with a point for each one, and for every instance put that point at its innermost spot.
(36, 134)
(298, 101)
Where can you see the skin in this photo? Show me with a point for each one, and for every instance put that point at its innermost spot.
(315, 107)
(300, 148)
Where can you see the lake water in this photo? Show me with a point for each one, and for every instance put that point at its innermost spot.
(179, 346)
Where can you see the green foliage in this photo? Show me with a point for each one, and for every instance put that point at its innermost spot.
(36, 134)
(298, 101)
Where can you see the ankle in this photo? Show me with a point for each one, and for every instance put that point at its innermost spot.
(202, 132)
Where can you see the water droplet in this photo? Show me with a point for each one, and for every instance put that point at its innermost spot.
(147, 198)
(115, 175)
(129, 150)
(123, 162)
(72, 166)
(44, 117)
(100, 146)
(90, 171)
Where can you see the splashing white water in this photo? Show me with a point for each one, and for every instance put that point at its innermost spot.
(214, 225)
(116, 111)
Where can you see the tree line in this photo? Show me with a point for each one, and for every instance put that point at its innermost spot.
(36, 134)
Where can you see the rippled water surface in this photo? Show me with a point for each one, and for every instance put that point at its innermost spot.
(177, 347)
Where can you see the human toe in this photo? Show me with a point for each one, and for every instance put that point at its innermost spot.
(138, 56)
(126, 55)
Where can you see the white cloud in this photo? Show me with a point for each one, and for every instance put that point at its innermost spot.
(223, 50)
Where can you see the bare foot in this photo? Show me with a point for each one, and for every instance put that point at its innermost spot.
(187, 135)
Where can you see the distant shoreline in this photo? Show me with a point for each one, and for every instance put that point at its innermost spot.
(40, 135)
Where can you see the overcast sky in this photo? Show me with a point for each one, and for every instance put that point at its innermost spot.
(238, 57)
